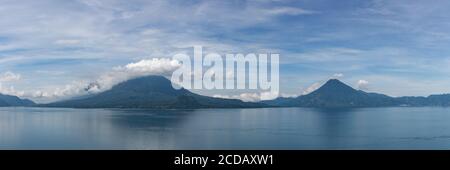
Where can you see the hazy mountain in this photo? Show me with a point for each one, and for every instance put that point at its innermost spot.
(432, 100)
(334, 93)
(157, 92)
(150, 92)
(8, 100)
(281, 102)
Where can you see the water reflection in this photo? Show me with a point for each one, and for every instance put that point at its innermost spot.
(150, 119)
(270, 128)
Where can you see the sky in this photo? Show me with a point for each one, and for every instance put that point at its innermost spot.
(52, 49)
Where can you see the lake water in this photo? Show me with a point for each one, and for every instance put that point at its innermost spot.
(270, 128)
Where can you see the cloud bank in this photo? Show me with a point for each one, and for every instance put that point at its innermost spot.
(249, 97)
(153, 66)
(9, 76)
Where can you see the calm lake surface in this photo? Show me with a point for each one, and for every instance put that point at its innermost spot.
(271, 128)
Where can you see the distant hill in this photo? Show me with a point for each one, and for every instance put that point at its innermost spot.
(334, 93)
(157, 92)
(432, 100)
(8, 100)
(150, 92)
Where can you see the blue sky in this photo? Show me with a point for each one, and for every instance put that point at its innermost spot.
(51, 49)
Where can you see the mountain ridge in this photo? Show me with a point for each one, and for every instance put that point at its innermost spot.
(150, 92)
(13, 101)
(157, 92)
(335, 93)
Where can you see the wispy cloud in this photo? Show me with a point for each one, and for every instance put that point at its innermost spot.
(55, 43)
(290, 11)
(9, 76)
(154, 66)
(249, 97)
(5, 79)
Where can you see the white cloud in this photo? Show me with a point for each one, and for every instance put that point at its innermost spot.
(40, 94)
(362, 84)
(247, 97)
(154, 66)
(312, 88)
(113, 29)
(160, 66)
(117, 29)
(289, 95)
(9, 76)
(268, 95)
(290, 11)
(10, 90)
(250, 97)
(338, 75)
(74, 89)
